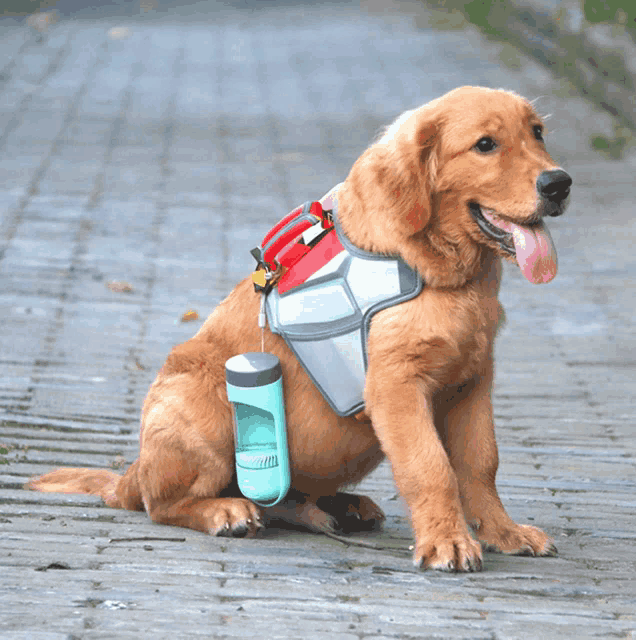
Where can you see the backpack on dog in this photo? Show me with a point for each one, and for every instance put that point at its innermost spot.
(321, 294)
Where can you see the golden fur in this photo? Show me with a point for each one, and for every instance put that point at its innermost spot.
(428, 386)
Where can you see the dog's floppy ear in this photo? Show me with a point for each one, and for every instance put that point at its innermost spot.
(391, 184)
(416, 168)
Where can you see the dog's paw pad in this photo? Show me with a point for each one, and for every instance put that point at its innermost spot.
(453, 554)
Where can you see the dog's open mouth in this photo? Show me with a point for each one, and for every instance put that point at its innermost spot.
(531, 245)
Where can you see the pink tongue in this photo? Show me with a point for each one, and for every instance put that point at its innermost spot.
(536, 253)
(535, 250)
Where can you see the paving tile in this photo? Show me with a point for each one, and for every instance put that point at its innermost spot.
(159, 158)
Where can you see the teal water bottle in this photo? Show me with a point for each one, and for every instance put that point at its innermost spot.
(255, 389)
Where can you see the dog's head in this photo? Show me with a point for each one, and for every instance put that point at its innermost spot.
(465, 172)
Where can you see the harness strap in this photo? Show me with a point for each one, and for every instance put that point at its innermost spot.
(323, 304)
(286, 232)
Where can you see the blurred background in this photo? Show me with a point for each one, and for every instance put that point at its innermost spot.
(592, 43)
(145, 148)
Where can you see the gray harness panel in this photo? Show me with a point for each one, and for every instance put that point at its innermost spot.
(326, 319)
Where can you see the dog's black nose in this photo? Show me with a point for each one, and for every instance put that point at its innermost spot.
(554, 185)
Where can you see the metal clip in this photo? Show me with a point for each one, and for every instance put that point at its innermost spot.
(262, 276)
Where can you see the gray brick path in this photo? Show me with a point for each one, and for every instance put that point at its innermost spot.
(158, 156)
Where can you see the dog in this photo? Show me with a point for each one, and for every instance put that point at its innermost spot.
(452, 187)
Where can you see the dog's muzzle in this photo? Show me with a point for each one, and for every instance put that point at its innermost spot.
(529, 242)
(553, 187)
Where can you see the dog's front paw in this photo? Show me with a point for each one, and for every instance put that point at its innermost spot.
(459, 552)
(520, 540)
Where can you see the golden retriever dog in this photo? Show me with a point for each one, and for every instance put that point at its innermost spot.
(452, 188)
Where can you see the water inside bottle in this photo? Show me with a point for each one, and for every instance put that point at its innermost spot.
(258, 430)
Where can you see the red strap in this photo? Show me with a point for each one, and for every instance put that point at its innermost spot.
(291, 255)
(271, 252)
(316, 209)
(288, 218)
(325, 250)
(310, 214)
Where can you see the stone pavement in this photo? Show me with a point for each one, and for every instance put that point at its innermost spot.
(156, 151)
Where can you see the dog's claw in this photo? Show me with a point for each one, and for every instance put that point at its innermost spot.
(526, 550)
(472, 564)
(521, 540)
(460, 554)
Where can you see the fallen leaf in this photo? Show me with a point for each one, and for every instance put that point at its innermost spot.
(120, 287)
(189, 316)
(119, 33)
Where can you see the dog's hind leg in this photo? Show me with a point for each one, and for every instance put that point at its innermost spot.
(186, 461)
(352, 512)
(299, 510)
(339, 513)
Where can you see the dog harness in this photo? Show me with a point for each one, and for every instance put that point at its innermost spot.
(321, 292)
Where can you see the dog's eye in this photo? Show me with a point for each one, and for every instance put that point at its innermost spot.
(485, 145)
(538, 132)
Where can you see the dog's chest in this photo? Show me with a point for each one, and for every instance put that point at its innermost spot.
(469, 331)
(444, 337)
